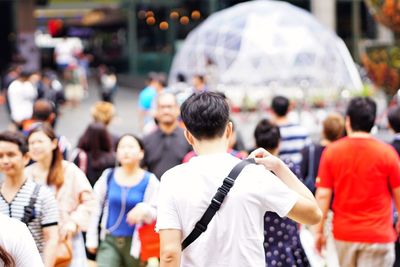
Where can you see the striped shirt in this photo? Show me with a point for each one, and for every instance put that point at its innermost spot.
(46, 210)
(293, 138)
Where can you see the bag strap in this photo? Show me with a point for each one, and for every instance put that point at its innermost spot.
(110, 174)
(311, 155)
(216, 202)
(29, 210)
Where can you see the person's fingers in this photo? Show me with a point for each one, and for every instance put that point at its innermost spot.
(259, 152)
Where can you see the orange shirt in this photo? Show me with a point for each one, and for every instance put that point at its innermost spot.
(361, 172)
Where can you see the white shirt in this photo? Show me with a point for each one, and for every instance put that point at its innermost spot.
(16, 239)
(21, 96)
(235, 235)
(66, 49)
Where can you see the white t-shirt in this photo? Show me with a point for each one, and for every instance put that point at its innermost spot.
(16, 239)
(235, 235)
(21, 97)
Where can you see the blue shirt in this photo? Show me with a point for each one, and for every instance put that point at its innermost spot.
(121, 199)
(146, 97)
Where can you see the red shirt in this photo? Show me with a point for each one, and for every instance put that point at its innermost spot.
(361, 172)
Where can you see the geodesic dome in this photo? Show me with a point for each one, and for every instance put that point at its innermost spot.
(263, 42)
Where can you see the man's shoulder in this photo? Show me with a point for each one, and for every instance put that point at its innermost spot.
(293, 129)
(148, 138)
(176, 173)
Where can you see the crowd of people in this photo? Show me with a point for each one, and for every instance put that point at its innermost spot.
(97, 198)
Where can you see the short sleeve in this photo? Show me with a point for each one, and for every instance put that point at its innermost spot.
(167, 213)
(50, 214)
(394, 169)
(25, 253)
(324, 179)
(277, 196)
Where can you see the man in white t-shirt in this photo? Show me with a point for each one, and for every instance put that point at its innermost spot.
(235, 235)
(21, 95)
(16, 239)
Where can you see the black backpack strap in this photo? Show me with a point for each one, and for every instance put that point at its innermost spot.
(216, 202)
(29, 211)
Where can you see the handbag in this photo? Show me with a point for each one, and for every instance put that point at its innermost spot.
(216, 202)
(63, 253)
(150, 242)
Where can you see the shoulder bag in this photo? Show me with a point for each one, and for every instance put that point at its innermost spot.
(216, 202)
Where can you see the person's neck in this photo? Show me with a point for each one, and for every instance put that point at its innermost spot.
(359, 134)
(209, 147)
(45, 163)
(274, 152)
(281, 120)
(168, 128)
(15, 181)
(324, 142)
(130, 169)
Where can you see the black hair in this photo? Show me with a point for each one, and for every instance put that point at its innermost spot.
(42, 109)
(16, 138)
(205, 115)
(96, 141)
(362, 113)
(280, 105)
(267, 135)
(140, 142)
(394, 118)
(181, 77)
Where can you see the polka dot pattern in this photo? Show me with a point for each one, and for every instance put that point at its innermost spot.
(281, 238)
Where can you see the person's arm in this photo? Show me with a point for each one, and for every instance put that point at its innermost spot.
(396, 196)
(100, 191)
(170, 247)
(84, 196)
(168, 223)
(305, 210)
(49, 221)
(50, 235)
(146, 211)
(323, 196)
(394, 182)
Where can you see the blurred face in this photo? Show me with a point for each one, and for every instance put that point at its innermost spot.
(128, 151)
(197, 82)
(167, 110)
(41, 146)
(12, 162)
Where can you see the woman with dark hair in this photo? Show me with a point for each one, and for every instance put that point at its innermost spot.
(95, 153)
(17, 247)
(281, 235)
(73, 192)
(127, 198)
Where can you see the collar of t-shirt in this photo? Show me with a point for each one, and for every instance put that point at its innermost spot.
(211, 157)
(173, 133)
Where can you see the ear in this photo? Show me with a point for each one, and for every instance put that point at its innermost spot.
(141, 154)
(52, 117)
(347, 125)
(189, 137)
(229, 130)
